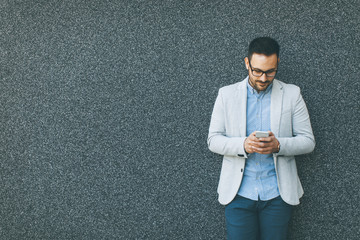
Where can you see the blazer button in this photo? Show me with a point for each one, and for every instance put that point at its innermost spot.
(242, 170)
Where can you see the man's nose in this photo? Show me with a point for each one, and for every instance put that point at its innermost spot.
(263, 77)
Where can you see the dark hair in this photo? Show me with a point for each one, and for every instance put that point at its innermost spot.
(263, 45)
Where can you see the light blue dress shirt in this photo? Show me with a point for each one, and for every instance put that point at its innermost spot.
(259, 180)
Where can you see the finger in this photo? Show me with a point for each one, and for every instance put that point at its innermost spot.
(263, 150)
(248, 145)
(264, 144)
(259, 144)
(266, 139)
(249, 149)
(253, 135)
(254, 139)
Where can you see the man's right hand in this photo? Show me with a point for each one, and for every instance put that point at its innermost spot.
(249, 143)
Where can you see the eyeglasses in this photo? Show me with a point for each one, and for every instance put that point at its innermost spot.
(258, 73)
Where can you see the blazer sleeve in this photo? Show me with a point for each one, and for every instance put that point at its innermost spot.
(302, 140)
(218, 141)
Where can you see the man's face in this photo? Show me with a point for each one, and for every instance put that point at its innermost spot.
(261, 63)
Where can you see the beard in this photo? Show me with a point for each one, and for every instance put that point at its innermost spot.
(256, 84)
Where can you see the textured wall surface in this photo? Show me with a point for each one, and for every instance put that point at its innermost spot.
(105, 108)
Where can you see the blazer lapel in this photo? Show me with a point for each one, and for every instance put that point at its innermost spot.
(276, 107)
(242, 100)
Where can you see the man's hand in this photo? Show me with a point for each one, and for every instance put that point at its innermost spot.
(265, 145)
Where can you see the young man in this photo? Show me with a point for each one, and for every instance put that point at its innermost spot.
(259, 181)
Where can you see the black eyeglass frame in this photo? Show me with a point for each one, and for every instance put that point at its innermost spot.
(262, 72)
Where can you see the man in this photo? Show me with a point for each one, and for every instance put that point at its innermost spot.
(259, 183)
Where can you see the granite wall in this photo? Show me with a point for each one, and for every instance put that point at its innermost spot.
(105, 108)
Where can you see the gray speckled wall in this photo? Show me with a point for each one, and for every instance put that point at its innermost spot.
(105, 108)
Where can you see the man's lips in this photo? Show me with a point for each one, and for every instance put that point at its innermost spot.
(263, 84)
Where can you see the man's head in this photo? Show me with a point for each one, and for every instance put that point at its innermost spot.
(263, 45)
(262, 62)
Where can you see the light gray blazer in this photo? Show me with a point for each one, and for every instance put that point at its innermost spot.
(290, 124)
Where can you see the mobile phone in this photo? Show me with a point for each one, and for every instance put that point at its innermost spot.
(261, 134)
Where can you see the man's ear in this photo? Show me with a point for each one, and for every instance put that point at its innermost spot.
(246, 60)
